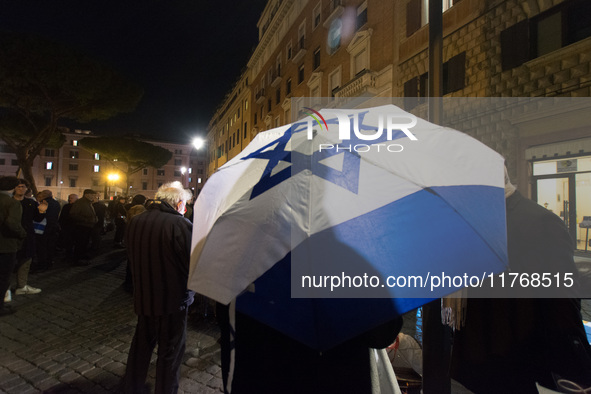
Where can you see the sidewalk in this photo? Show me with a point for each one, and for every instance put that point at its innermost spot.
(74, 336)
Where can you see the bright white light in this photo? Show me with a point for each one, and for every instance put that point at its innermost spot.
(198, 143)
(183, 170)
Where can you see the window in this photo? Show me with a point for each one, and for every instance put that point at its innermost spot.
(556, 28)
(145, 171)
(454, 73)
(334, 35)
(178, 151)
(72, 182)
(411, 92)
(334, 81)
(48, 180)
(417, 13)
(49, 152)
(49, 165)
(177, 173)
(301, 74)
(95, 182)
(302, 36)
(97, 168)
(73, 167)
(14, 162)
(288, 87)
(75, 143)
(198, 180)
(316, 18)
(144, 185)
(200, 171)
(97, 156)
(2, 162)
(159, 184)
(277, 96)
(245, 130)
(74, 154)
(246, 104)
(288, 50)
(316, 58)
(178, 162)
(269, 105)
(190, 170)
(160, 172)
(454, 79)
(360, 62)
(361, 15)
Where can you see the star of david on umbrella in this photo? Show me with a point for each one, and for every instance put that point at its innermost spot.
(275, 152)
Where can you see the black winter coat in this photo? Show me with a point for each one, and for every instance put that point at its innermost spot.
(158, 248)
(508, 344)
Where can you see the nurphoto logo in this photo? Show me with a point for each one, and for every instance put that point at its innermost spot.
(363, 138)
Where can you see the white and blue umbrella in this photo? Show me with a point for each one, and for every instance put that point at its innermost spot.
(328, 227)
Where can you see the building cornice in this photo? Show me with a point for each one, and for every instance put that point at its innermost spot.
(267, 36)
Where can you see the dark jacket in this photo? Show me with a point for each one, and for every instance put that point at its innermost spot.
(508, 344)
(65, 221)
(101, 212)
(82, 213)
(52, 216)
(11, 230)
(269, 362)
(30, 214)
(158, 248)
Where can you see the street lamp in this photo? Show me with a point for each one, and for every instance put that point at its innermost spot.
(112, 177)
(198, 143)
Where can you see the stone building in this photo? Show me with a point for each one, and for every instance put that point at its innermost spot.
(71, 169)
(230, 129)
(516, 76)
(509, 50)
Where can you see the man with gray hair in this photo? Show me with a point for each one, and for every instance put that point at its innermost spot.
(158, 249)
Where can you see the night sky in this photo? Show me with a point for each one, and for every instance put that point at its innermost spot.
(186, 54)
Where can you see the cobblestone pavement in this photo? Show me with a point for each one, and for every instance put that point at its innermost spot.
(74, 336)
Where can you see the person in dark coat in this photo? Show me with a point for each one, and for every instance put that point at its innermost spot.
(158, 248)
(99, 228)
(120, 219)
(48, 240)
(509, 344)
(32, 212)
(267, 361)
(11, 236)
(138, 201)
(66, 237)
(84, 219)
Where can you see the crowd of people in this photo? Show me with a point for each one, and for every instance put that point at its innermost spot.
(48, 231)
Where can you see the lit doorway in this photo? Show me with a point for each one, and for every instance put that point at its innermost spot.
(564, 187)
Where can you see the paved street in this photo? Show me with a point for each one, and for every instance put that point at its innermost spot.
(74, 336)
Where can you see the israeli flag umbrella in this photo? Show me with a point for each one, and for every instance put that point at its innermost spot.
(325, 228)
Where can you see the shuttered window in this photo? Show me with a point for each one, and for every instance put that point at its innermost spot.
(515, 45)
(413, 17)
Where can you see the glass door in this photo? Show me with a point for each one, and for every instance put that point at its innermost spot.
(557, 195)
(583, 195)
(563, 186)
